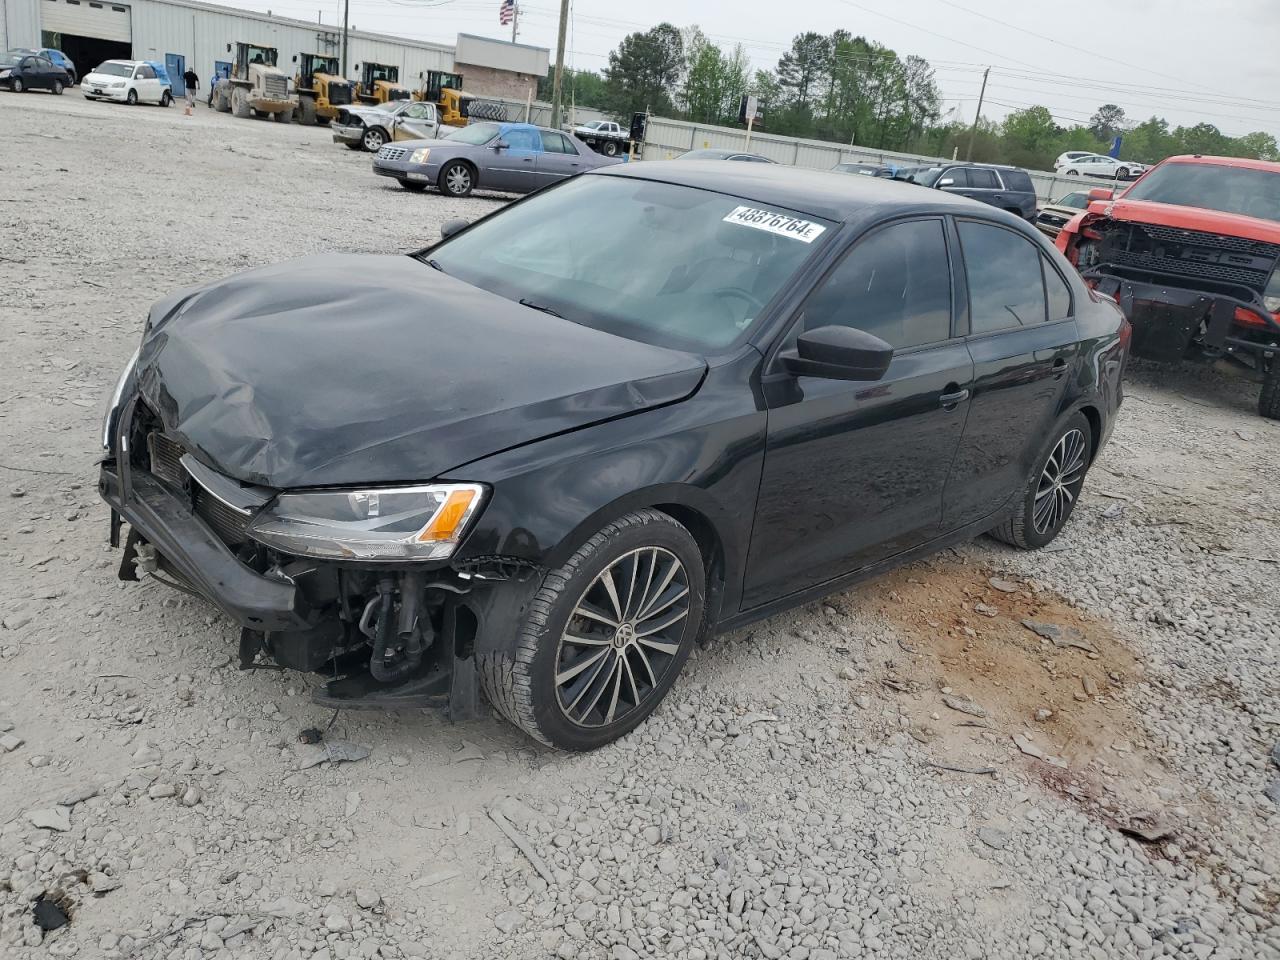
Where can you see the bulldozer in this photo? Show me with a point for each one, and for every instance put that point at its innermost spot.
(456, 107)
(256, 85)
(321, 88)
(380, 83)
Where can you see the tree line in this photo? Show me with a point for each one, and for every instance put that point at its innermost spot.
(848, 89)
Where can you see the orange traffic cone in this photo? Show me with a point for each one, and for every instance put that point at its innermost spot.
(187, 111)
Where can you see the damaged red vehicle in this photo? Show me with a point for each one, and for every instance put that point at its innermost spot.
(1191, 253)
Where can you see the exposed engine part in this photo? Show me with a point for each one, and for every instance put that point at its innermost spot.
(398, 641)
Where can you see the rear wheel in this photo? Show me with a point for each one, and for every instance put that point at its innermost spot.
(457, 179)
(132, 98)
(605, 636)
(1051, 492)
(1269, 399)
(610, 149)
(57, 87)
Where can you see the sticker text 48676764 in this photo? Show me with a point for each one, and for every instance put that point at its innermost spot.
(806, 231)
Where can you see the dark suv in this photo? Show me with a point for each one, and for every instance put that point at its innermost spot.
(1008, 188)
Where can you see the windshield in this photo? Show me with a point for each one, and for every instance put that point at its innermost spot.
(1077, 200)
(475, 134)
(926, 176)
(593, 125)
(114, 69)
(9, 59)
(1211, 186)
(265, 55)
(670, 265)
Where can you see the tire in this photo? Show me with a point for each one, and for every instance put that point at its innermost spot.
(457, 179)
(16, 85)
(240, 104)
(594, 705)
(1073, 173)
(132, 98)
(610, 149)
(57, 88)
(413, 186)
(1122, 173)
(373, 139)
(1269, 399)
(283, 116)
(166, 98)
(1037, 520)
(307, 110)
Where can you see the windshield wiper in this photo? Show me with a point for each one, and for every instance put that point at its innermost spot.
(537, 306)
(433, 264)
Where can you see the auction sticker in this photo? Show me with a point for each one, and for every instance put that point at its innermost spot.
(806, 231)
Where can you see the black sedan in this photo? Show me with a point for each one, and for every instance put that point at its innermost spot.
(544, 456)
(711, 153)
(21, 71)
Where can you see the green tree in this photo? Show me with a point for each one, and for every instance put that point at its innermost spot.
(644, 70)
(1258, 145)
(1030, 137)
(1107, 122)
(714, 82)
(584, 88)
(802, 68)
(1202, 138)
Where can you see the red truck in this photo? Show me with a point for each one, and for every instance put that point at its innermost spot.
(1190, 252)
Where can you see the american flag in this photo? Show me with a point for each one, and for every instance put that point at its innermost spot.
(507, 12)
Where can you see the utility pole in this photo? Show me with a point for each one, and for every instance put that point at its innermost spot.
(556, 91)
(346, 9)
(973, 132)
(515, 20)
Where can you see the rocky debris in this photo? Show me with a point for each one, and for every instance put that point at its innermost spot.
(78, 795)
(1024, 743)
(993, 837)
(101, 883)
(50, 818)
(331, 751)
(1004, 586)
(964, 705)
(367, 899)
(10, 743)
(1059, 635)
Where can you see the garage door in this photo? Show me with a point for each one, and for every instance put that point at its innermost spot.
(86, 18)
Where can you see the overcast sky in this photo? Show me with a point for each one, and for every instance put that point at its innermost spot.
(1190, 61)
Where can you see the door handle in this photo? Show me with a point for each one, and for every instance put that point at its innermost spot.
(528, 159)
(950, 400)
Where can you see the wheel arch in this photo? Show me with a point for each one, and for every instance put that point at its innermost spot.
(468, 163)
(1094, 416)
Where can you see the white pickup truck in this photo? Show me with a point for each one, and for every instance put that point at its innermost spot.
(604, 136)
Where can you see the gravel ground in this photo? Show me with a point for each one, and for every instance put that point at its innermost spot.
(904, 770)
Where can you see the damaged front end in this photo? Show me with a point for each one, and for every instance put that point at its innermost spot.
(1187, 293)
(356, 585)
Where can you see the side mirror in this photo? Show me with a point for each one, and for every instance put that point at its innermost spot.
(500, 145)
(450, 227)
(838, 353)
(946, 182)
(1101, 193)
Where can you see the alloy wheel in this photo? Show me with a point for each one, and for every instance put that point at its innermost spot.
(373, 140)
(458, 179)
(622, 637)
(1059, 482)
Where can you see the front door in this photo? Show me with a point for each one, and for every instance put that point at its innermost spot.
(1025, 347)
(416, 122)
(175, 64)
(559, 158)
(515, 167)
(854, 471)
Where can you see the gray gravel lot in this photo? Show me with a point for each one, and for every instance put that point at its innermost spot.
(905, 770)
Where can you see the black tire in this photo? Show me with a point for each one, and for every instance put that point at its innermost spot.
(1122, 173)
(283, 116)
(166, 98)
(16, 85)
(307, 110)
(521, 682)
(57, 88)
(1073, 173)
(1031, 527)
(374, 138)
(240, 107)
(1269, 399)
(413, 186)
(132, 98)
(457, 179)
(610, 149)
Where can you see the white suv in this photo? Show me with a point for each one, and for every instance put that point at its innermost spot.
(129, 81)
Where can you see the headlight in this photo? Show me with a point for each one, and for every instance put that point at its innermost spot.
(1271, 295)
(393, 523)
(109, 421)
(118, 83)
(420, 156)
(4, 74)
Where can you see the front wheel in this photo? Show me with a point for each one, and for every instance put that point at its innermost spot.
(16, 85)
(456, 179)
(165, 99)
(373, 139)
(1073, 173)
(1051, 492)
(1123, 173)
(605, 636)
(132, 97)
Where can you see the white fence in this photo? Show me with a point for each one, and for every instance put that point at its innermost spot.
(665, 139)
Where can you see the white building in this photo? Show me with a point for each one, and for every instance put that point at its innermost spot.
(188, 33)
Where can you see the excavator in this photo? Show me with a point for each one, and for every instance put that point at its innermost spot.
(320, 87)
(256, 85)
(380, 83)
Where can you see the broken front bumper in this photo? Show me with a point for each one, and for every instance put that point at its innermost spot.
(1168, 321)
(347, 134)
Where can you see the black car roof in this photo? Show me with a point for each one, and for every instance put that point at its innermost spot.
(819, 193)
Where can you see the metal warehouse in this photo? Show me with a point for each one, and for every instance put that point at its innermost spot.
(187, 33)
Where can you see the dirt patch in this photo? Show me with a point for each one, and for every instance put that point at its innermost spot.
(994, 671)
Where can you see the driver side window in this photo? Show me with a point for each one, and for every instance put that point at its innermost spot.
(894, 283)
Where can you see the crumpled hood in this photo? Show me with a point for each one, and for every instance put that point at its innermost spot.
(343, 369)
(1189, 218)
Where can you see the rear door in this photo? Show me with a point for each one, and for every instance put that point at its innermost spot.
(515, 167)
(559, 158)
(984, 185)
(854, 471)
(1025, 345)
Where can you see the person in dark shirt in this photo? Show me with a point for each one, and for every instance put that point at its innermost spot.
(191, 81)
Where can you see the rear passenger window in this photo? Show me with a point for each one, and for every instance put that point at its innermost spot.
(1006, 288)
(983, 179)
(553, 142)
(1059, 292)
(895, 283)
